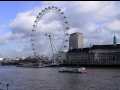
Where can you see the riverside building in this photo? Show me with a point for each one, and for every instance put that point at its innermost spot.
(95, 55)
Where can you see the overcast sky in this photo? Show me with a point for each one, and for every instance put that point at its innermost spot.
(97, 20)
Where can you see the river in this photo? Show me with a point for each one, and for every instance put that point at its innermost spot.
(21, 78)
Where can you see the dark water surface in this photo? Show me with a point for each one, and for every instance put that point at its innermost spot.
(50, 79)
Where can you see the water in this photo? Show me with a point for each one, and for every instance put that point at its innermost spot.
(50, 79)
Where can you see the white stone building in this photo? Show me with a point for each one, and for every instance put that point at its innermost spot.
(76, 41)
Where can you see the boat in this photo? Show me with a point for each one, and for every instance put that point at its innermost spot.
(73, 70)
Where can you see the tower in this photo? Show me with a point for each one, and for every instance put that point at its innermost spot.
(76, 41)
(114, 40)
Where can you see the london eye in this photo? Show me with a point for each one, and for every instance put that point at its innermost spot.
(47, 42)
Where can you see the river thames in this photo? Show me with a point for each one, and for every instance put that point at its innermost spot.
(50, 79)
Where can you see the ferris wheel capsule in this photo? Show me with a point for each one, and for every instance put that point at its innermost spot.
(66, 40)
(56, 7)
(45, 34)
(31, 35)
(33, 29)
(46, 8)
(52, 6)
(33, 25)
(49, 35)
(35, 21)
(67, 28)
(65, 46)
(32, 40)
(64, 17)
(40, 15)
(37, 17)
(66, 22)
(66, 34)
(32, 43)
(33, 50)
(43, 11)
(59, 9)
(62, 12)
(49, 7)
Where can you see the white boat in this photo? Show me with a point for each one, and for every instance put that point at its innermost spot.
(73, 70)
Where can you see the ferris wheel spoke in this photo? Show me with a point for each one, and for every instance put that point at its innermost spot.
(54, 38)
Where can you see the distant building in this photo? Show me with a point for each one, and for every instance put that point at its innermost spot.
(95, 55)
(76, 41)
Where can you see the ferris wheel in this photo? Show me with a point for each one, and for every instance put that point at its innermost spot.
(57, 41)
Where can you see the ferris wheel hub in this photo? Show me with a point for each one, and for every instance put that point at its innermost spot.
(49, 35)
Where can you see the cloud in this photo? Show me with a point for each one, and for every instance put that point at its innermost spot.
(114, 25)
(23, 22)
(92, 18)
(4, 34)
(22, 25)
(88, 6)
(97, 20)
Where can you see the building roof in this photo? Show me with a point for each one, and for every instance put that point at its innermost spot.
(79, 50)
(112, 46)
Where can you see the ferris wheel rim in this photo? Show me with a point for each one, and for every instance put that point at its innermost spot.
(39, 16)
